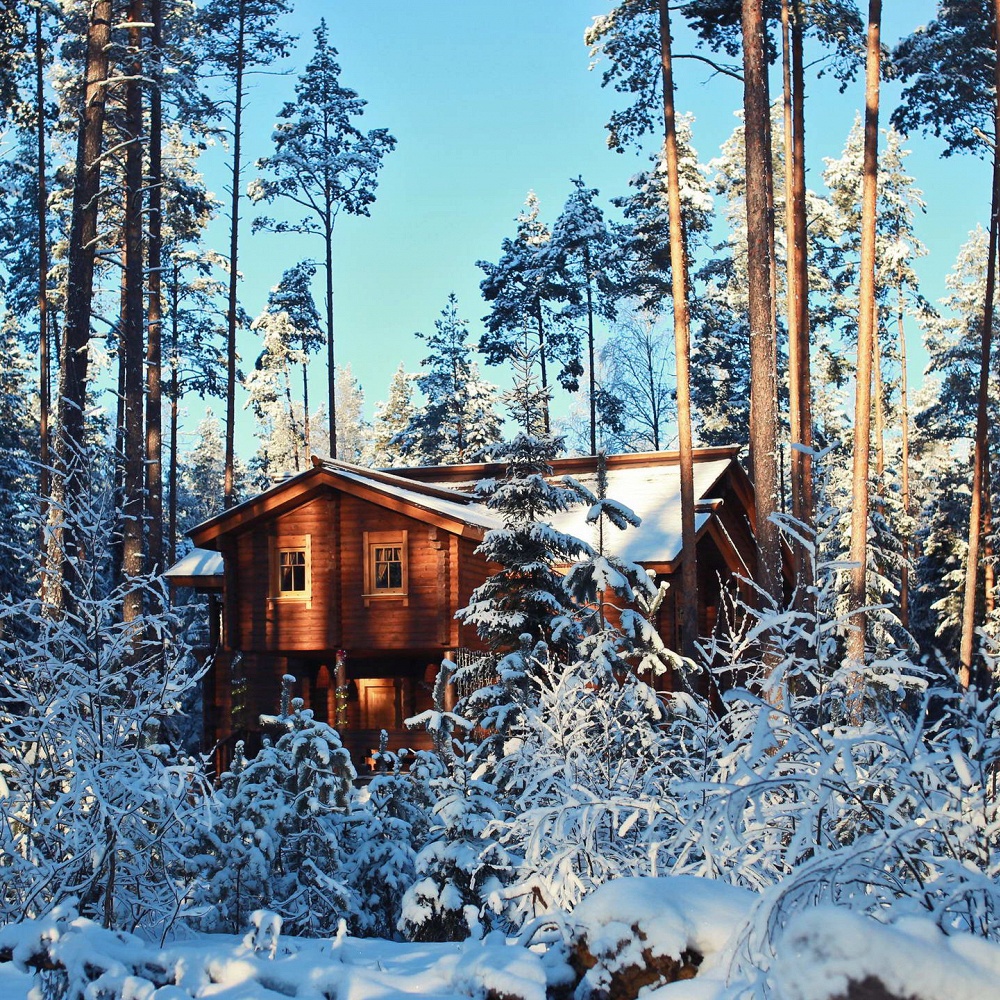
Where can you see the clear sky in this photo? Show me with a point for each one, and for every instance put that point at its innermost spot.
(487, 101)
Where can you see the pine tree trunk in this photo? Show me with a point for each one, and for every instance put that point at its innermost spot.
(799, 377)
(131, 339)
(879, 401)
(306, 443)
(154, 314)
(80, 281)
(174, 393)
(590, 350)
(687, 605)
(330, 354)
(863, 402)
(229, 487)
(904, 419)
(980, 456)
(44, 366)
(763, 348)
(542, 360)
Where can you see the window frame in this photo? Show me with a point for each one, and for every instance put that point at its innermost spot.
(291, 543)
(373, 540)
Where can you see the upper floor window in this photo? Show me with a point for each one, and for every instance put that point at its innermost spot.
(385, 564)
(292, 568)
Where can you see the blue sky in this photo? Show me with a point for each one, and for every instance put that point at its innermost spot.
(488, 101)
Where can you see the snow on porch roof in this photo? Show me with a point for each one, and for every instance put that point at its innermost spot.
(653, 492)
(199, 568)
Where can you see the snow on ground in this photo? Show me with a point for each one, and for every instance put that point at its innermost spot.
(816, 957)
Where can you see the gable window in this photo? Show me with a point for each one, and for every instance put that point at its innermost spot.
(292, 568)
(291, 571)
(385, 564)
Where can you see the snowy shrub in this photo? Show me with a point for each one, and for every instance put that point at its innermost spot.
(589, 782)
(279, 841)
(95, 805)
(459, 868)
(392, 820)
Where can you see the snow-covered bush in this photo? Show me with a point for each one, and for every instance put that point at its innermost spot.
(95, 805)
(279, 839)
(458, 870)
(392, 820)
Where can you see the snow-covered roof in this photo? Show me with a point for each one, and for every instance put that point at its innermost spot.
(653, 492)
(648, 484)
(448, 503)
(197, 564)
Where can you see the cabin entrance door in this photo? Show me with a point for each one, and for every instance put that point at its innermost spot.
(378, 698)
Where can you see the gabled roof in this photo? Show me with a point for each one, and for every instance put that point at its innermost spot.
(453, 510)
(649, 483)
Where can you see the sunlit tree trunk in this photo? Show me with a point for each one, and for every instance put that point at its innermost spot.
(980, 459)
(863, 401)
(687, 604)
(80, 281)
(763, 348)
(131, 341)
(154, 309)
(904, 421)
(234, 248)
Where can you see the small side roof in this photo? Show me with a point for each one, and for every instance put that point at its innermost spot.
(200, 568)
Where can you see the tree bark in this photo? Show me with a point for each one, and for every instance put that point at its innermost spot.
(330, 353)
(80, 281)
(131, 340)
(980, 456)
(234, 246)
(763, 348)
(904, 420)
(154, 313)
(799, 368)
(863, 401)
(44, 365)
(687, 605)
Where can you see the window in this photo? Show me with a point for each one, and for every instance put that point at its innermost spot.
(385, 564)
(291, 572)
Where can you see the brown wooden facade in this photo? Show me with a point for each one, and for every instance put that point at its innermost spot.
(349, 579)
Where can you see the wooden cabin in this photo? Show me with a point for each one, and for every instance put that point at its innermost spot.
(349, 579)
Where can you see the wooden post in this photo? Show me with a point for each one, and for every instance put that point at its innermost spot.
(342, 690)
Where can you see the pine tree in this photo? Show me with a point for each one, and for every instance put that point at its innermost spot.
(585, 242)
(391, 418)
(523, 286)
(458, 421)
(323, 164)
(245, 39)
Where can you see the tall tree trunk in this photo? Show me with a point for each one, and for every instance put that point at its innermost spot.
(330, 353)
(542, 360)
(44, 365)
(80, 281)
(174, 393)
(306, 443)
(590, 350)
(687, 606)
(132, 343)
(863, 401)
(234, 247)
(904, 421)
(763, 348)
(154, 312)
(980, 457)
(879, 401)
(799, 379)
